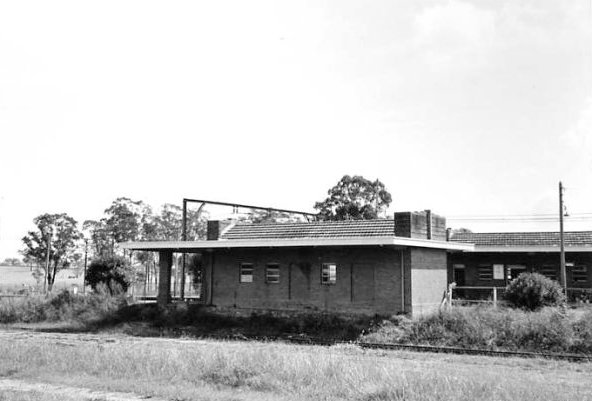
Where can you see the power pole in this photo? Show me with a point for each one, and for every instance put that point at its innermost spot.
(561, 243)
(85, 261)
(45, 284)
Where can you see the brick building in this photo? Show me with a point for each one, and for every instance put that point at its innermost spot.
(368, 267)
(499, 257)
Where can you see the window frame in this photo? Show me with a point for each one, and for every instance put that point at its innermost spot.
(550, 271)
(579, 273)
(268, 267)
(481, 274)
(246, 267)
(326, 277)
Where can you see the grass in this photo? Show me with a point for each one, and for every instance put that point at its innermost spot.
(187, 370)
(546, 330)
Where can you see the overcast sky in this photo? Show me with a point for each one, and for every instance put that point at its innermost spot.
(464, 107)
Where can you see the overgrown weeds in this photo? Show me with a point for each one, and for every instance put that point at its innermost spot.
(195, 320)
(61, 307)
(547, 330)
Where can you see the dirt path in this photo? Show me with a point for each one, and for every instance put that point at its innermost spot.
(75, 393)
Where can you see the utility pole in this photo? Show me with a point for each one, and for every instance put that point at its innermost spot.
(48, 239)
(561, 243)
(85, 261)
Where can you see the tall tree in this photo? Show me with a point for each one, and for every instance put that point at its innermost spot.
(169, 223)
(125, 219)
(354, 198)
(64, 235)
(99, 236)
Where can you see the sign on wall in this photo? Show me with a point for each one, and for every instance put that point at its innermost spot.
(498, 272)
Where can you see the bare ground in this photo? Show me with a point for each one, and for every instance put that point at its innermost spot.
(66, 392)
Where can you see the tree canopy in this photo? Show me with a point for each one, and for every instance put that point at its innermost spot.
(64, 236)
(354, 198)
(112, 271)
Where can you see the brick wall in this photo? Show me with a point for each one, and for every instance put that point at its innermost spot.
(368, 280)
(428, 279)
(424, 225)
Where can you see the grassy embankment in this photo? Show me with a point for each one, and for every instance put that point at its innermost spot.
(547, 330)
(254, 370)
(208, 370)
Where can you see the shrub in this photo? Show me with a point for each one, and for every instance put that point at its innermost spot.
(533, 291)
(62, 307)
(113, 272)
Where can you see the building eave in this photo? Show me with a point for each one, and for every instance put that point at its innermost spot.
(196, 246)
(529, 248)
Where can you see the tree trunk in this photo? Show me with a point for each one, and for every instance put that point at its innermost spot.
(51, 277)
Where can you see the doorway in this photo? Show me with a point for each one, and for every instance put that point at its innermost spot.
(458, 273)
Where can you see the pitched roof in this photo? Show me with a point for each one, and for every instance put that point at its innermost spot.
(521, 239)
(316, 229)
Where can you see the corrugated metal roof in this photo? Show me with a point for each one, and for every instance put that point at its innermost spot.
(571, 238)
(317, 229)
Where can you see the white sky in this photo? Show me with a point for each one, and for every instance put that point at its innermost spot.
(466, 108)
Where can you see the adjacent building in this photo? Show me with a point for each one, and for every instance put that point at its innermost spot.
(497, 258)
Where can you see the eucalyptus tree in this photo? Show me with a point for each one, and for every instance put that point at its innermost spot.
(53, 244)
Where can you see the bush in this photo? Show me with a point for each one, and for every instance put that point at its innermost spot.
(113, 272)
(533, 291)
(63, 307)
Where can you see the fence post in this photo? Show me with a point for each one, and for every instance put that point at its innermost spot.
(450, 287)
(495, 297)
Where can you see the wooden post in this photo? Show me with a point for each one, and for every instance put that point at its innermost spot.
(184, 261)
(495, 297)
(450, 288)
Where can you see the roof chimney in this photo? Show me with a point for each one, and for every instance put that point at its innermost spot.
(216, 228)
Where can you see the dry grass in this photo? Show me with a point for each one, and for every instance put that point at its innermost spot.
(237, 370)
(546, 330)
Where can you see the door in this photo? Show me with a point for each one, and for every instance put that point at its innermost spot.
(459, 275)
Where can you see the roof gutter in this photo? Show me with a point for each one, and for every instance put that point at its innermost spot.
(181, 246)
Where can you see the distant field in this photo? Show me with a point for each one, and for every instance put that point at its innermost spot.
(14, 278)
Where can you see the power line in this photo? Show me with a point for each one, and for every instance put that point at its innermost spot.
(515, 215)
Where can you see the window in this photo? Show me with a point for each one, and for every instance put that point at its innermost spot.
(272, 273)
(579, 274)
(485, 272)
(329, 273)
(246, 273)
(549, 271)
